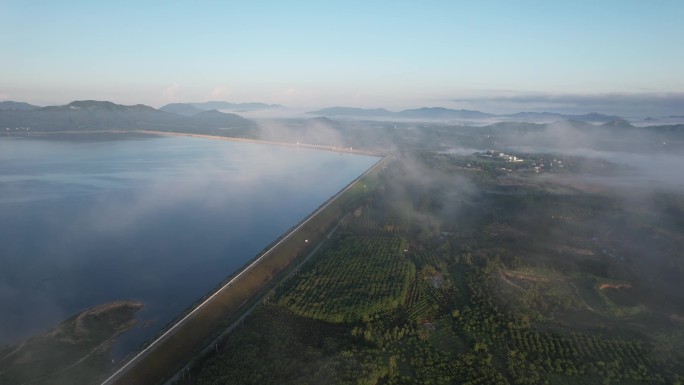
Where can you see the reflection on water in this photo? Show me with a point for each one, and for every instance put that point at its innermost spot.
(158, 220)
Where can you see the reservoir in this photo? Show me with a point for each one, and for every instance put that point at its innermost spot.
(162, 220)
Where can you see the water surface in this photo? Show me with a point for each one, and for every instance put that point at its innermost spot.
(161, 220)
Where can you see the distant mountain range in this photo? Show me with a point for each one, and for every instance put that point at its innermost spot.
(545, 116)
(439, 113)
(9, 105)
(354, 112)
(91, 115)
(184, 109)
(102, 115)
(618, 123)
(430, 113)
(189, 109)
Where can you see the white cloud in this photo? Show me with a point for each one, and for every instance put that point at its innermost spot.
(220, 92)
(170, 92)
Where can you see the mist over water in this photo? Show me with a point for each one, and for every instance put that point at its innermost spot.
(158, 220)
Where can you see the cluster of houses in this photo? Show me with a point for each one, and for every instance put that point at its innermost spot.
(501, 155)
(537, 163)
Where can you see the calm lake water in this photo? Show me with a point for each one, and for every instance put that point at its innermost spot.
(161, 220)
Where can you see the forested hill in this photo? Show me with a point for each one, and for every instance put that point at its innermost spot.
(10, 105)
(90, 115)
(440, 113)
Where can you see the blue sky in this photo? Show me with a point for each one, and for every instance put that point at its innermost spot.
(489, 55)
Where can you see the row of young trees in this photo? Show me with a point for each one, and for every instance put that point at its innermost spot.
(580, 355)
(355, 279)
(535, 357)
(276, 347)
(365, 222)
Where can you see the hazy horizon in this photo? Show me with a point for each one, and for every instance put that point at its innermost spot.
(278, 111)
(609, 57)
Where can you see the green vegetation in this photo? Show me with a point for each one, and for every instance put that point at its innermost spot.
(477, 269)
(188, 340)
(357, 278)
(83, 342)
(455, 276)
(298, 349)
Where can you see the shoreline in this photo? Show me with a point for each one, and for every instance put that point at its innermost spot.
(251, 268)
(320, 147)
(228, 299)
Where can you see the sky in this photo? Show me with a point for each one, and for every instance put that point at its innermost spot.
(495, 56)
